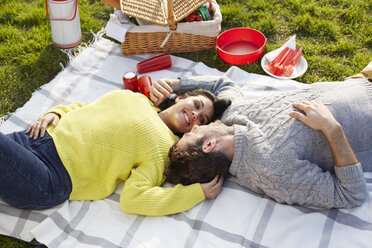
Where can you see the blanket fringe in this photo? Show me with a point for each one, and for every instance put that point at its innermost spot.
(74, 52)
(5, 117)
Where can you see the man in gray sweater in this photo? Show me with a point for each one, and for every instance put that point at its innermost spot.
(307, 147)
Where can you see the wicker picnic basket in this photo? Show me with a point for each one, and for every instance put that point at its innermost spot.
(144, 40)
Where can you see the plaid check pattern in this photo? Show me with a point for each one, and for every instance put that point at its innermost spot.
(236, 218)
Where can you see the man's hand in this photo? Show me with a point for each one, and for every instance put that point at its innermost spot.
(162, 89)
(317, 116)
(213, 188)
(41, 124)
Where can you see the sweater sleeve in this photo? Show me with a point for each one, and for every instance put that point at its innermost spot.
(222, 87)
(307, 184)
(143, 195)
(64, 109)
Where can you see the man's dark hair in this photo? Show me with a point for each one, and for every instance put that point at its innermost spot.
(219, 105)
(192, 165)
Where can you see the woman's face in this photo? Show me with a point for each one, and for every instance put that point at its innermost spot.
(189, 111)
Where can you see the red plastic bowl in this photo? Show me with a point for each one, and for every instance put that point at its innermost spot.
(240, 46)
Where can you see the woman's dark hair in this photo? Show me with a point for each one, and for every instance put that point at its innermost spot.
(219, 105)
(192, 165)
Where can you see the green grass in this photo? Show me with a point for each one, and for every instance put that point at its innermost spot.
(336, 36)
(8, 242)
(28, 59)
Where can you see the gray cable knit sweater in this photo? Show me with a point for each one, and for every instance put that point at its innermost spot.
(288, 161)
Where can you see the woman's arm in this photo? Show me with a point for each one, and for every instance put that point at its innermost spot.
(51, 117)
(143, 195)
(61, 110)
(142, 192)
(41, 124)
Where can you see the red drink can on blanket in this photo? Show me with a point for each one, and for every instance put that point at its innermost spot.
(130, 81)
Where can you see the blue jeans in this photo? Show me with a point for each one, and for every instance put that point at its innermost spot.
(32, 175)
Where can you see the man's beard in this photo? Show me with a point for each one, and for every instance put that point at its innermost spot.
(218, 129)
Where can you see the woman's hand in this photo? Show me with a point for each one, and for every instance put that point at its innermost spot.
(41, 124)
(162, 89)
(213, 188)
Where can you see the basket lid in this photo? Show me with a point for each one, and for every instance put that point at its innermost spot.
(156, 11)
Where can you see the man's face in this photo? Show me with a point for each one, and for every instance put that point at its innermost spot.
(199, 134)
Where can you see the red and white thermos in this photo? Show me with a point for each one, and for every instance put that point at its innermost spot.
(64, 22)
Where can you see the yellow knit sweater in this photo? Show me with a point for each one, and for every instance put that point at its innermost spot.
(120, 136)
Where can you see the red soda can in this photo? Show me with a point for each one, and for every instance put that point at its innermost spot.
(144, 85)
(130, 81)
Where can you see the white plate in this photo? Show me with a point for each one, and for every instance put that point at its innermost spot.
(299, 69)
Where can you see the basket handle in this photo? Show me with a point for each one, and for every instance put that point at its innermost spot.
(171, 18)
(47, 12)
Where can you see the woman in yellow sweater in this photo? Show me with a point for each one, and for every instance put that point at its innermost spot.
(82, 151)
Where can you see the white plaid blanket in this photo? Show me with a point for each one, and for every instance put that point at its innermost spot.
(236, 218)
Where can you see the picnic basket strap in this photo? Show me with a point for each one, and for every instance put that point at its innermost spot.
(171, 18)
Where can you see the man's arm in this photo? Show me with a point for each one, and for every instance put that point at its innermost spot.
(347, 188)
(318, 117)
(222, 87)
(163, 88)
(304, 183)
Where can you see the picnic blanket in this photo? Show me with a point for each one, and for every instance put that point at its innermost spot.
(236, 218)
